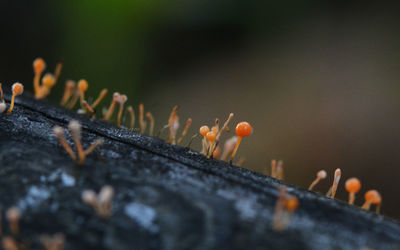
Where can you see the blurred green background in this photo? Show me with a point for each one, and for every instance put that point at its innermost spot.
(318, 80)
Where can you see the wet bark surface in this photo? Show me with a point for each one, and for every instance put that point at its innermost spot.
(166, 197)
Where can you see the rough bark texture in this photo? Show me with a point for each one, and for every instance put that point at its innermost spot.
(166, 196)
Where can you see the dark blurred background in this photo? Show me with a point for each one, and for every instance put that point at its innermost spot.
(318, 80)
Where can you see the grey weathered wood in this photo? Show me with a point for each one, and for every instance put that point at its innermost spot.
(166, 196)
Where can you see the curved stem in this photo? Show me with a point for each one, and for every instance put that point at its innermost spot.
(236, 147)
(314, 183)
(12, 104)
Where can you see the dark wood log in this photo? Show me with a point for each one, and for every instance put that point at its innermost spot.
(167, 197)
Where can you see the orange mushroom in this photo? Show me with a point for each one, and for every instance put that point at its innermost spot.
(211, 135)
(17, 89)
(203, 131)
(242, 129)
(82, 88)
(372, 197)
(352, 185)
(48, 82)
(38, 67)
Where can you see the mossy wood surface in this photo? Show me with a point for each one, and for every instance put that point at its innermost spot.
(166, 197)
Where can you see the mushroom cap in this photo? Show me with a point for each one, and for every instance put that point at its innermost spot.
(74, 126)
(322, 174)
(48, 80)
(243, 129)
(373, 196)
(211, 136)
(83, 85)
(116, 96)
(204, 130)
(58, 131)
(17, 88)
(353, 185)
(39, 65)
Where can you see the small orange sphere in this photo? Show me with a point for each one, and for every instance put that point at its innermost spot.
(17, 88)
(243, 129)
(39, 65)
(48, 80)
(211, 136)
(204, 130)
(292, 204)
(373, 196)
(353, 185)
(83, 85)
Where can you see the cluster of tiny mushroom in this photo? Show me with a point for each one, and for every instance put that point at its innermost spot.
(16, 89)
(352, 186)
(102, 202)
(286, 206)
(75, 129)
(211, 139)
(74, 92)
